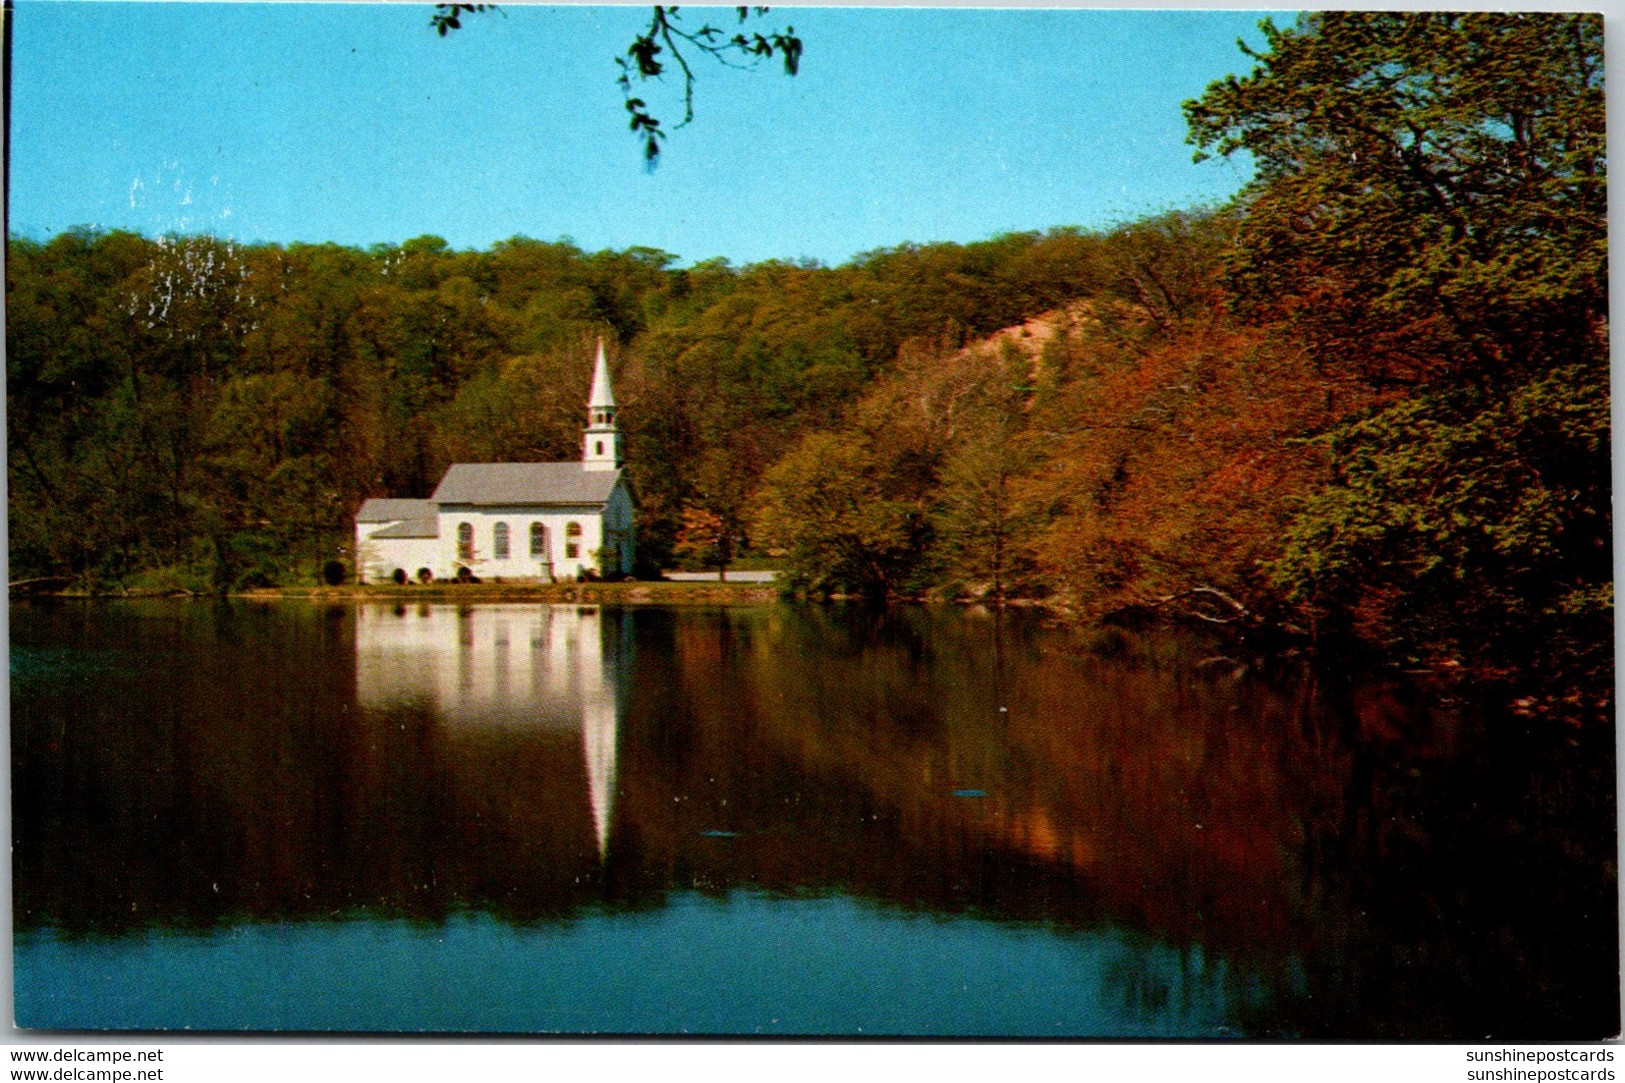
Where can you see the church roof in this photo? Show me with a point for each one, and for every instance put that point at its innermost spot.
(382, 509)
(601, 395)
(524, 483)
(410, 528)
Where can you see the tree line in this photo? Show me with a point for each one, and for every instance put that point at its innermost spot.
(214, 413)
(1365, 403)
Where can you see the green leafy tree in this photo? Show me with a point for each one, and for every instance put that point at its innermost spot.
(825, 508)
(1431, 188)
(982, 519)
(526, 410)
(1467, 527)
(1429, 212)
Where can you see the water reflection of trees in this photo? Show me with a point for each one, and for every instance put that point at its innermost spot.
(1322, 851)
(1327, 840)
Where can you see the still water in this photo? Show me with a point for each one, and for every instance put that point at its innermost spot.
(778, 820)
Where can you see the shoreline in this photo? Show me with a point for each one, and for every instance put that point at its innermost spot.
(1526, 697)
(653, 592)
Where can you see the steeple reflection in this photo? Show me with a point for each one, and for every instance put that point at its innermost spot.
(1025, 838)
(515, 667)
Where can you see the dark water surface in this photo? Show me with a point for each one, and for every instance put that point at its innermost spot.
(777, 820)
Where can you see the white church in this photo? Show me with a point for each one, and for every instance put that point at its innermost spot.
(538, 522)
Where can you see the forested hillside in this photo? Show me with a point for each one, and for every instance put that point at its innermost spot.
(218, 412)
(1365, 404)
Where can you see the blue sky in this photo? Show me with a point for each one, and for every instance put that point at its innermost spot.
(354, 123)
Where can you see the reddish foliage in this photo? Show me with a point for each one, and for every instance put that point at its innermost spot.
(1174, 463)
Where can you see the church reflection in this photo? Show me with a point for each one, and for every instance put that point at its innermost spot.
(522, 668)
(1283, 854)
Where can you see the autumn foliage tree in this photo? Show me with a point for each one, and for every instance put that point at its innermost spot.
(1430, 213)
(1367, 404)
(707, 539)
(1171, 471)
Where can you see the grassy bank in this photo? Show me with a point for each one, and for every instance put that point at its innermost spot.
(640, 593)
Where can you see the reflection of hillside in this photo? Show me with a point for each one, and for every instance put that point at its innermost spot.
(1314, 831)
(254, 782)
(1241, 841)
(1111, 793)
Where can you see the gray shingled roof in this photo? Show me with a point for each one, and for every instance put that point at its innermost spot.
(411, 528)
(383, 509)
(524, 483)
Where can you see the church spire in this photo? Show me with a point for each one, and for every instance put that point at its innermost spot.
(602, 396)
(601, 443)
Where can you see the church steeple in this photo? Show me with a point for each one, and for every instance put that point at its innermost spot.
(601, 443)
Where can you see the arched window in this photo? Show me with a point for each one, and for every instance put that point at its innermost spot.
(572, 540)
(499, 541)
(538, 541)
(465, 541)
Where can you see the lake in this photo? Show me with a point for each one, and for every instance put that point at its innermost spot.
(779, 820)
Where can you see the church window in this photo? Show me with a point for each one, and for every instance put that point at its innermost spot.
(538, 541)
(572, 540)
(499, 541)
(598, 447)
(465, 541)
